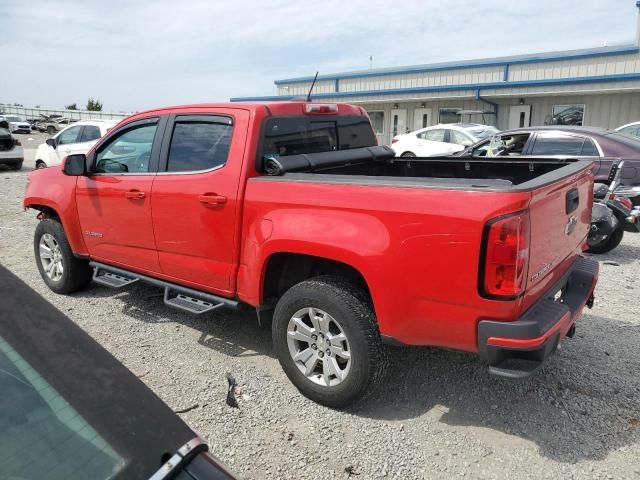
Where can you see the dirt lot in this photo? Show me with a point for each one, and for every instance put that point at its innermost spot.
(438, 415)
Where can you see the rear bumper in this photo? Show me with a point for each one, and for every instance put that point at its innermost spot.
(519, 348)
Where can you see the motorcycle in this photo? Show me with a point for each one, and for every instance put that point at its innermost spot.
(612, 215)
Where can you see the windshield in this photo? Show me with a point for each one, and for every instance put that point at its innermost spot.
(13, 118)
(302, 134)
(482, 133)
(41, 434)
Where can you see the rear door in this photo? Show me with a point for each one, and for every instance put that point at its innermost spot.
(195, 198)
(114, 199)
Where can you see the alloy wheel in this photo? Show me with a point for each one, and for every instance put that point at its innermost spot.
(319, 346)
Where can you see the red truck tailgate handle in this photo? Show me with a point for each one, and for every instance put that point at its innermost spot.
(134, 194)
(212, 199)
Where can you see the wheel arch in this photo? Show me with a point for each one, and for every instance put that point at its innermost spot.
(284, 269)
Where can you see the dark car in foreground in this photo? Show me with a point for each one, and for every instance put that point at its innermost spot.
(11, 152)
(603, 146)
(69, 410)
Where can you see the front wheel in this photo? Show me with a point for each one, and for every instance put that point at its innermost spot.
(408, 155)
(326, 338)
(59, 268)
(605, 243)
(51, 130)
(17, 166)
(40, 164)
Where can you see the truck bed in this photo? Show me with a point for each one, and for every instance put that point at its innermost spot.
(440, 172)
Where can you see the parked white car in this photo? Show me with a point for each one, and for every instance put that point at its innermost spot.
(632, 129)
(76, 138)
(444, 139)
(16, 124)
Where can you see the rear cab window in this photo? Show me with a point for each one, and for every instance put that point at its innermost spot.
(297, 135)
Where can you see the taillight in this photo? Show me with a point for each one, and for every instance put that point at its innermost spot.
(320, 108)
(394, 139)
(505, 256)
(17, 142)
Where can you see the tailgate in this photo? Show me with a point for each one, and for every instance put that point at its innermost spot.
(560, 214)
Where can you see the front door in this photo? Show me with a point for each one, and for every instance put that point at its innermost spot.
(421, 118)
(398, 122)
(195, 195)
(519, 116)
(114, 199)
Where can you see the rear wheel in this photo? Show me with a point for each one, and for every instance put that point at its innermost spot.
(59, 268)
(51, 130)
(40, 164)
(17, 166)
(326, 338)
(408, 154)
(605, 243)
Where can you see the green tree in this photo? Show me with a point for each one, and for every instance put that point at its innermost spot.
(73, 106)
(94, 105)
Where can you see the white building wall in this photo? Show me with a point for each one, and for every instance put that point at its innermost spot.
(587, 67)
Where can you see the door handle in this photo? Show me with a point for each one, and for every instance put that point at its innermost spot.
(212, 199)
(134, 194)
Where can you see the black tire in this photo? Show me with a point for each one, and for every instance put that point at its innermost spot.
(17, 166)
(351, 306)
(51, 130)
(609, 243)
(40, 164)
(408, 155)
(76, 273)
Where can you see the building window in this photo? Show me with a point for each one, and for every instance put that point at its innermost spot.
(377, 120)
(449, 115)
(567, 115)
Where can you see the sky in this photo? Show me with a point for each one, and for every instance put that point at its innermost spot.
(139, 54)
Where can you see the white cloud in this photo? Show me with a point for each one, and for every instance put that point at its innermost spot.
(135, 55)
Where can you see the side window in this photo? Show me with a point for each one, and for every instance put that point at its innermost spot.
(198, 145)
(69, 136)
(89, 133)
(127, 152)
(589, 149)
(459, 138)
(557, 144)
(633, 130)
(436, 135)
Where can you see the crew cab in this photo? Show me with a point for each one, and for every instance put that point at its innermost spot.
(291, 208)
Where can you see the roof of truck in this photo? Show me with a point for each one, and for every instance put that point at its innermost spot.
(292, 107)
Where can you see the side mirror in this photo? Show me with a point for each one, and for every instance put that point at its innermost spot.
(75, 165)
(466, 143)
(51, 142)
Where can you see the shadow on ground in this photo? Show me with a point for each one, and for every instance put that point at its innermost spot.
(589, 391)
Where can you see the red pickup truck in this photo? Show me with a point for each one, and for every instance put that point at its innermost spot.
(292, 208)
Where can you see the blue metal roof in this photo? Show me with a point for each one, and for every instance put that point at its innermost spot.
(444, 88)
(487, 62)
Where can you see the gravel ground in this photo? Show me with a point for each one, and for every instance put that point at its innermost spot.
(440, 415)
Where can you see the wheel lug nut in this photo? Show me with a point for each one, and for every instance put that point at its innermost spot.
(314, 337)
(314, 346)
(328, 352)
(321, 354)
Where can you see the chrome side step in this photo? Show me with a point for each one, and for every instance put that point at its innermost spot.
(177, 296)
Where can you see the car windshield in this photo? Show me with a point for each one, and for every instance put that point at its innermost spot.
(41, 434)
(484, 132)
(12, 118)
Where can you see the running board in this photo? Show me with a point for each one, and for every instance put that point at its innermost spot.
(111, 279)
(188, 303)
(177, 296)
